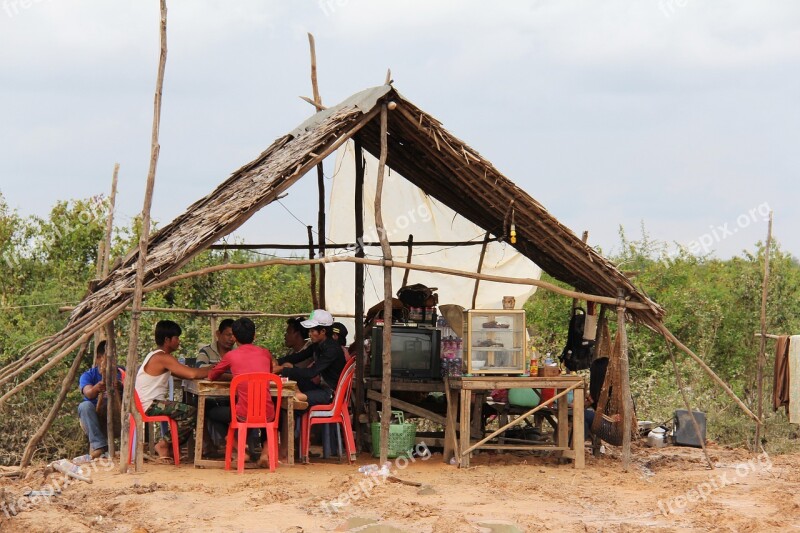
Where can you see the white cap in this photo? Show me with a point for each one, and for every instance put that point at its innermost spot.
(319, 317)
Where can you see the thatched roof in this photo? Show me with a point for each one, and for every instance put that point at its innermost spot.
(419, 148)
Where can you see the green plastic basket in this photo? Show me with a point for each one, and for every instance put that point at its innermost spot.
(402, 436)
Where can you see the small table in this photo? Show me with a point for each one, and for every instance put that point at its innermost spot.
(203, 389)
(462, 388)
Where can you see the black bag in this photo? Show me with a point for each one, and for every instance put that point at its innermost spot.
(578, 353)
(418, 295)
(684, 432)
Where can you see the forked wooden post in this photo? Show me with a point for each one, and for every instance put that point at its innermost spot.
(763, 344)
(320, 177)
(408, 258)
(386, 381)
(480, 267)
(133, 356)
(111, 383)
(313, 280)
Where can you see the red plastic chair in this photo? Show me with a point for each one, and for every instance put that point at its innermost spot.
(258, 394)
(173, 427)
(337, 412)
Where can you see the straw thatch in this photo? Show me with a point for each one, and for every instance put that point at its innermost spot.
(419, 148)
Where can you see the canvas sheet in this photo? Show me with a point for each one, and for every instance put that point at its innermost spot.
(407, 210)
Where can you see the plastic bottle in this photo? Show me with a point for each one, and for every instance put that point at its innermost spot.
(83, 459)
(534, 368)
(368, 468)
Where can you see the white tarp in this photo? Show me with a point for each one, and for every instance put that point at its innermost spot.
(407, 210)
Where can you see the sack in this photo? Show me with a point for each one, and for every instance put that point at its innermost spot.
(578, 353)
(418, 295)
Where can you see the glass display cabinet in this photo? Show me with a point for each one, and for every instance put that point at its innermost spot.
(496, 341)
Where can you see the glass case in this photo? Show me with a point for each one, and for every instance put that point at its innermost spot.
(496, 341)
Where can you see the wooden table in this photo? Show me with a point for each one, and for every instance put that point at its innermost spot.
(203, 389)
(460, 390)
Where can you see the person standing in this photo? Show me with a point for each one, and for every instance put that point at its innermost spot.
(91, 385)
(152, 384)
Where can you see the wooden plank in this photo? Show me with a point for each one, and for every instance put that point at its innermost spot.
(410, 407)
(577, 428)
(464, 426)
(415, 386)
(512, 447)
(451, 440)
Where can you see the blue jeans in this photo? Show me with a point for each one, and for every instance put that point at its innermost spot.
(91, 425)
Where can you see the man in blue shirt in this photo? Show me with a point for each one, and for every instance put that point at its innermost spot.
(91, 385)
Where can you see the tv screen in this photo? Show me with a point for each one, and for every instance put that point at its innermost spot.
(415, 352)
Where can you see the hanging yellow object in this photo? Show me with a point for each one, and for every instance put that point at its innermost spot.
(513, 234)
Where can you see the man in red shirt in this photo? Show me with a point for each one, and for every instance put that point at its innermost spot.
(246, 358)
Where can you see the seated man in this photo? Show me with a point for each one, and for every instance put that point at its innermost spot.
(245, 359)
(327, 365)
(91, 385)
(296, 338)
(152, 384)
(211, 354)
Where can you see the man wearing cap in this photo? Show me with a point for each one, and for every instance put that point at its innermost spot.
(328, 361)
(340, 336)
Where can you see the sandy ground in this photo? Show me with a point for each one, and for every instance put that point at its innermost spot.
(668, 489)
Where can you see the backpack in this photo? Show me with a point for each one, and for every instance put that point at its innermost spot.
(578, 353)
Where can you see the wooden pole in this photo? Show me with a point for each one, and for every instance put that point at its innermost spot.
(576, 301)
(110, 222)
(386, 381)
(212, 322)
(66, 385)
(113, 407)
(133, 357)
(762, 358)
(399, 264)
(110, 372)
(686, 404)
(320, 177)
(408, 258)
(624, 370)
(313, 267)
(359, 286)
(480, 267)
(219, 313)
(667, 333)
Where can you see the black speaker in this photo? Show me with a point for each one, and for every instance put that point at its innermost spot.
(684, 433)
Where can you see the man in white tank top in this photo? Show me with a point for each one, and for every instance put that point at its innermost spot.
(152, 384)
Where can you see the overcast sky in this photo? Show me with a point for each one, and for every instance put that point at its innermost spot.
(678, 114)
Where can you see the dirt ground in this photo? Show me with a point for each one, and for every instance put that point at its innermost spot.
(667, 489)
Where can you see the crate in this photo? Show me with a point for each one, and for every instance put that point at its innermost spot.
(402, 437)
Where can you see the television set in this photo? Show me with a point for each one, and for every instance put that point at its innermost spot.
(415, 352)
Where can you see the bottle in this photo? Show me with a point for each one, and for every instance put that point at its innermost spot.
(534, 368)
(83, 459)
(368, 468)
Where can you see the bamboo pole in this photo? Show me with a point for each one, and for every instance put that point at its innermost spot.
(408, 258)
(707, 370)
(762, 358)
(217, 312)
(686, 404)
(313, 267)
(50, 364)
(66, 385)
(386, 380)
(480, 267)
(359, 285)
(397, 264)
(348, 245)
(212, 322)
(767, 335)
(624, 369)
(133, 357)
